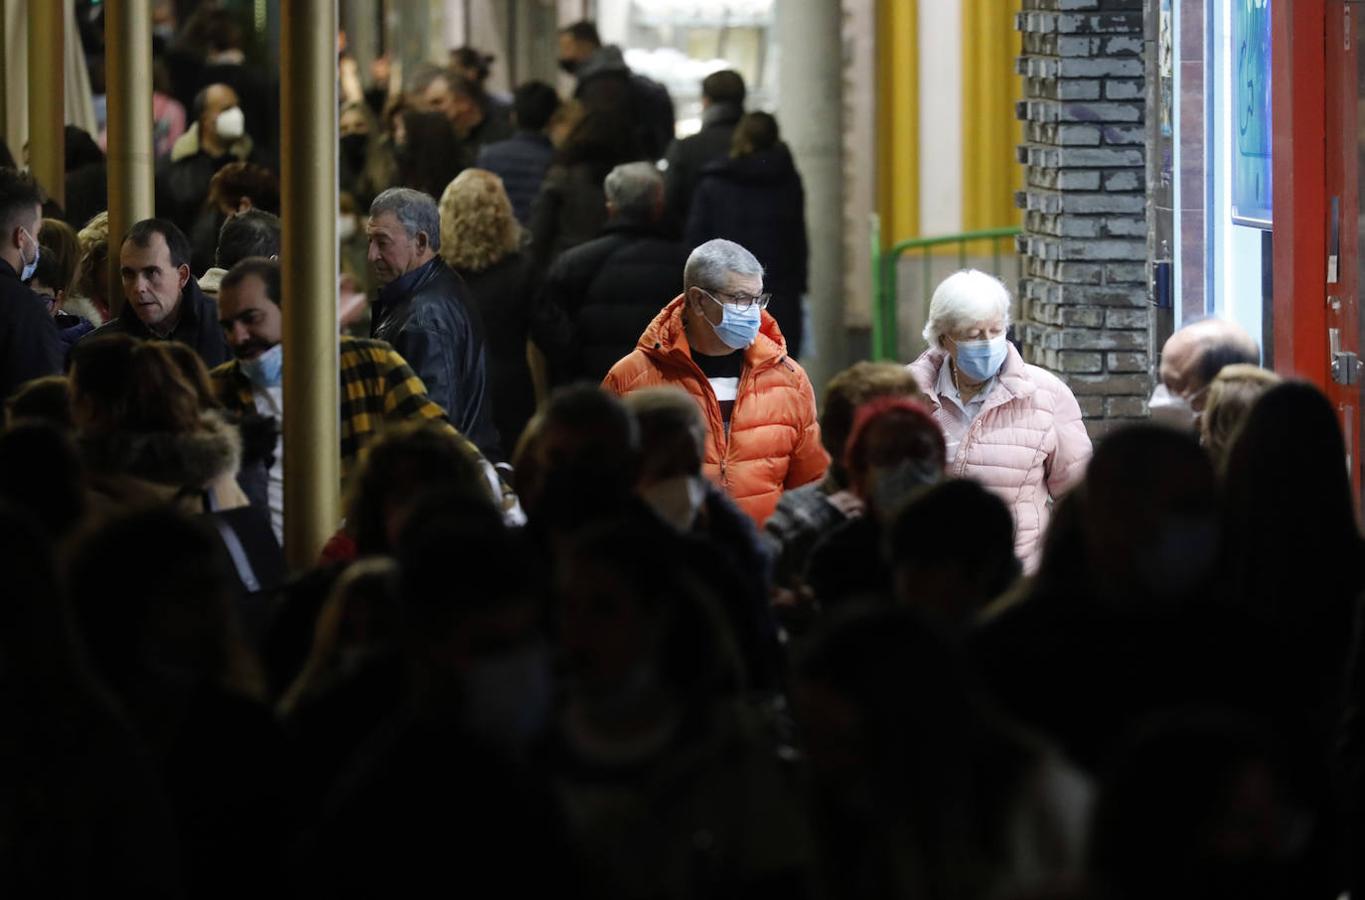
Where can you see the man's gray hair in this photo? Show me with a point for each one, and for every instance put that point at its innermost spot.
(710, 265)
(636, 190)
(415, 210)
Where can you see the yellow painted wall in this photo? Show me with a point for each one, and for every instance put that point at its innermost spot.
(991, 173)
(898, 118)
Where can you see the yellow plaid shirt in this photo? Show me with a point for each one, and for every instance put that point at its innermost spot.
(378, 387)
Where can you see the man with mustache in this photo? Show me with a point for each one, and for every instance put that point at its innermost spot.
(377, 386)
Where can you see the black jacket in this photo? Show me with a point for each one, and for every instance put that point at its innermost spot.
(429, 317)
(506, 296)
(29, 345)
(688, 156)
(642, 105)
(612, 287)
(758, 201)
(521, 162)
(198, 326)
(570, 209)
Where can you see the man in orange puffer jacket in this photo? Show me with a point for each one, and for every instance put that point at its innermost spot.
(716, 342)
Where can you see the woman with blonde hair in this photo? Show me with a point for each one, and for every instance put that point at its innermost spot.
(482, 241)
(1231, 395)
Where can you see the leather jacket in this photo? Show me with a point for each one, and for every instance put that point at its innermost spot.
(429, 318)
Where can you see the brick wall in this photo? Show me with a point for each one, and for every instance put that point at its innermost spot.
(1083, 286)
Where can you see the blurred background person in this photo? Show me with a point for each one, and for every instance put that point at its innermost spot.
(426, 151)
(522, 160)
(571, 206)
(1231, 395)
(755, 198)
(722, 103)
(612, 286)
(365, 162)
(482, 243)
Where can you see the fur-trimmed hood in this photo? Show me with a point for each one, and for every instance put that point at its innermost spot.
(190, 459)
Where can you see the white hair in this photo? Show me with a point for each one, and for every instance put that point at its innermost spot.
(710, 265)
(965, 298)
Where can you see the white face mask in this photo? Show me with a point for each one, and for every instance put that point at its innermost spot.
(1171, 409)
(231, 123)
(676, 500)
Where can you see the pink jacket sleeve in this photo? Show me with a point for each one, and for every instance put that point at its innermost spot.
(1067, 465)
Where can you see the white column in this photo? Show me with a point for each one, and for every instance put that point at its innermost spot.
(940, 119)
(810, 112)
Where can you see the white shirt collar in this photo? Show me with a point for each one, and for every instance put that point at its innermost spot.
(947, 390)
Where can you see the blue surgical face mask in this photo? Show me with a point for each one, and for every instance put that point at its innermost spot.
(29, 267)
(980, 360)
(738, 327)
(266, 370)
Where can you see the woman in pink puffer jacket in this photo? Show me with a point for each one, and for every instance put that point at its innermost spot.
(1013, 427)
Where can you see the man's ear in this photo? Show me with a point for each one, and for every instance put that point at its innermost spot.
(423, 241)
(183, 273)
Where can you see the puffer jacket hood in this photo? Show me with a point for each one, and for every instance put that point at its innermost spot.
(1028, 445)
(773, 442)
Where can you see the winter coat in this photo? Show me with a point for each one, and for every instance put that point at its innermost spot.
(429, 317)
(643, 105)
(133, 470)
(757, 201)
(29, 345)
(570, 209)
(773, 442)
(521, 162)
(182, 184)
(506, 296)
(198, 326)
(1028, 445)
(611, 288)
(688, 156)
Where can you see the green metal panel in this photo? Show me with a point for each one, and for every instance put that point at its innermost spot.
(884, 276)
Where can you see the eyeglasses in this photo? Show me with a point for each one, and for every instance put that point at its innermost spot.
(741, 302)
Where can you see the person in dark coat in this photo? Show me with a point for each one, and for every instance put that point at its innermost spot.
(641, 106)
(722, 104)
(571, 208)
(427, 152)
(217, 137)
(522, 160)
(482, 244)
(29, 346)
(613, 286)
(755, 198)
(425, 312)
(474, 120)
(258, 86)
(87, 177)
(161, 299)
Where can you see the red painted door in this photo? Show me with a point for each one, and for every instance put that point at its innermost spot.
(1317, 152)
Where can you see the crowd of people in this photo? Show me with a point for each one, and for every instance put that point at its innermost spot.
(617, 609)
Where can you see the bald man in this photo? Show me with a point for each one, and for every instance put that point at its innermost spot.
(1190, 360)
